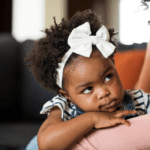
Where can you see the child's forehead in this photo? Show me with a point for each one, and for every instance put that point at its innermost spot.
(80, 64)
(90, 70)
(81, 60)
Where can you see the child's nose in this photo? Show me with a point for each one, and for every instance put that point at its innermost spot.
(102, 93)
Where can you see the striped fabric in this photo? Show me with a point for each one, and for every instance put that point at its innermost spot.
(68, 109)
(133, 99)
(141, 101)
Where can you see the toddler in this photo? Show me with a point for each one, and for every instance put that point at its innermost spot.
(75, 60)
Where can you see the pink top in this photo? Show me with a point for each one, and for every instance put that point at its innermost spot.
(121, 137)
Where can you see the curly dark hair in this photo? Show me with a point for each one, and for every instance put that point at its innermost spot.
(48, 52)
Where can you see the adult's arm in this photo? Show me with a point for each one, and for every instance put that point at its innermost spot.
(144, 78)
(121, 137)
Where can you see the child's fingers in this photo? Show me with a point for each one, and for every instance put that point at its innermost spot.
(123, 121)
(127, 123)
(124, 113)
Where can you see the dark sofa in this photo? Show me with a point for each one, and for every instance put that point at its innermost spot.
(21, 97)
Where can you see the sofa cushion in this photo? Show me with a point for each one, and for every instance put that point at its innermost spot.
(129, 64)
(9, 49)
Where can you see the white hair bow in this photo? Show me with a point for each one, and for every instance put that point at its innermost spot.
(81, 43)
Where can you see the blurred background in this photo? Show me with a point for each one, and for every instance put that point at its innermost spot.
(22, 22)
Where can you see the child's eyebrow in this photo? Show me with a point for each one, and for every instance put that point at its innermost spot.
(89, 83)
(83, 85)
(106, 71)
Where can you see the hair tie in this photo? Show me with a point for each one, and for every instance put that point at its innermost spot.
(81, 42)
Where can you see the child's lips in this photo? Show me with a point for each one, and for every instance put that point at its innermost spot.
(111, 104)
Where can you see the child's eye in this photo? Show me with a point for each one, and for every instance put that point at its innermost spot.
(87, 90)
(108, 77)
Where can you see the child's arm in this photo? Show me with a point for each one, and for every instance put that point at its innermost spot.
(58, 134)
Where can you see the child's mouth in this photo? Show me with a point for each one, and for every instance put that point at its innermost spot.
(111, 104)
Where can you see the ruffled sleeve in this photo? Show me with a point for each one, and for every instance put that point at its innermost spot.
(67, 108)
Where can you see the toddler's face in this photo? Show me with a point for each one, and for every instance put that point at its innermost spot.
(93, 83)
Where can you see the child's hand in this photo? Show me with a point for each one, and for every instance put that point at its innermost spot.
(108, 119)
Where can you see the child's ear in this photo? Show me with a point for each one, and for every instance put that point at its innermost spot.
(65, 94)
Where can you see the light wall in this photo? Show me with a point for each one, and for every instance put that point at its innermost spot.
(109, 11)
(28, 19)
(57, 8)
(112, 13)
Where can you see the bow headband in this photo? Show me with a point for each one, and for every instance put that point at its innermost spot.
(81, 42)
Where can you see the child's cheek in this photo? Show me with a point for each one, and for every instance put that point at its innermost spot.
(87, 104)
(117, 89)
